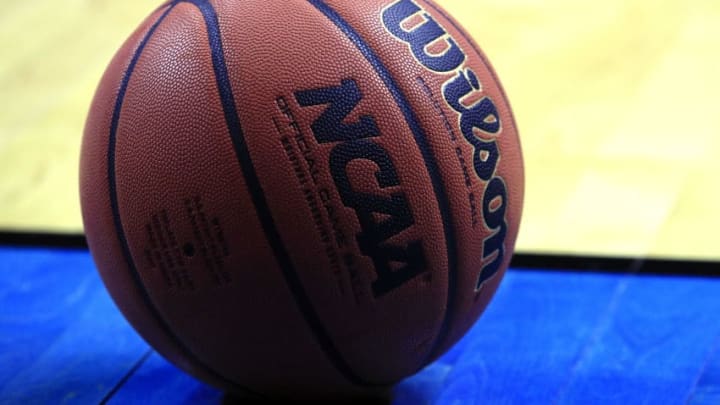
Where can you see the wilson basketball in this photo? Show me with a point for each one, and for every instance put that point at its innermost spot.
(301, 198)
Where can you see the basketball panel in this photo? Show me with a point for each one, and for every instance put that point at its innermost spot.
(97, 214)
(480, 165)
(288, 79)
(192, 228)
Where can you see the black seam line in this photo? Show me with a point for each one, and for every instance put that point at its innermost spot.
(431, 164)
(490, 70)
(112, 183)
(260, 201)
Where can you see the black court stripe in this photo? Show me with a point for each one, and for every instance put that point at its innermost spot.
(114, 203)
(431, 163)
(42, 239)
(260, 201)
(521, 261)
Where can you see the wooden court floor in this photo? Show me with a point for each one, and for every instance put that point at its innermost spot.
(615, 100)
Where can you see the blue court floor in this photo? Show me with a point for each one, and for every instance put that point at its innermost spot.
(548, 337)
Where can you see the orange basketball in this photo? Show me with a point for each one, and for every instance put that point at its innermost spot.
(301, 198)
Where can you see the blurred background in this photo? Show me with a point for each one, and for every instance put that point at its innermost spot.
(615, 101)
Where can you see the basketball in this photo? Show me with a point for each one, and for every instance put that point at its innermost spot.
(301, 199)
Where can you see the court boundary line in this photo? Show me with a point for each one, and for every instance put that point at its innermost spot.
(557, 261)
(121, 383)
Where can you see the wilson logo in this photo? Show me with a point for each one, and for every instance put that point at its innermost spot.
(478, 118)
